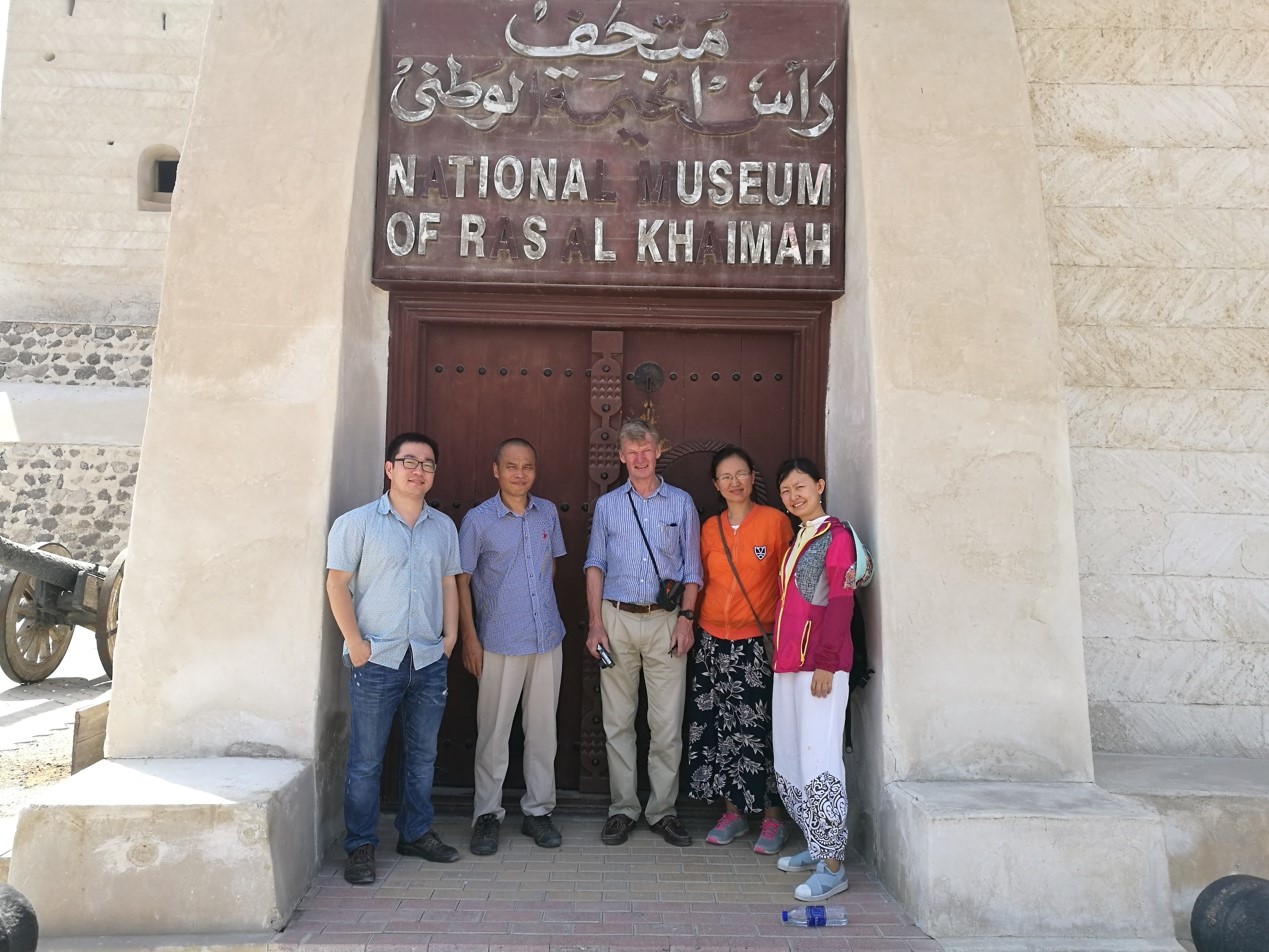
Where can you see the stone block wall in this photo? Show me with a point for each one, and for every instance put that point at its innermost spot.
(88, 88)
(1152, 123)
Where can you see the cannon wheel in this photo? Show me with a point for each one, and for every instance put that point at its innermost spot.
(108, 614)
(31, 651)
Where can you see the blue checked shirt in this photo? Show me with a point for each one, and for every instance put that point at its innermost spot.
(397, 572)
(511, 561)
(673, 530)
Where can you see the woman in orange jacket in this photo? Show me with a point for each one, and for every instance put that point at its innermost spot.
(729, 728)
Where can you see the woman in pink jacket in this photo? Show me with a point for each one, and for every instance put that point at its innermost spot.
(812, 669)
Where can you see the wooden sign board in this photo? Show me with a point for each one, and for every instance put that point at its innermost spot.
(626, 144)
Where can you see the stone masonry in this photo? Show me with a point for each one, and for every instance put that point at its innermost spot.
(79, 354)
(89, 89)
(79, 495)
(1152, 123)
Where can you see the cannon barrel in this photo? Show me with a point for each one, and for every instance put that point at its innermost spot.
(1232, 915)
(44, 566)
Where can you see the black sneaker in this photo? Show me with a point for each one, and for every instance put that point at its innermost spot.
(484, 835)
(543, 831)
(360, 868)
(428, 847)
(616, 829)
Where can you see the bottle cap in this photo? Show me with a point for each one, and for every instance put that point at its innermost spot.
(784, 915)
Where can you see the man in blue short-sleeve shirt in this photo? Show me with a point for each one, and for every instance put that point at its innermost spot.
(391, 580)
(623, 568)
(512, 634)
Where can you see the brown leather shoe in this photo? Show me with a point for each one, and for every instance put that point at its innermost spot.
(670, 828)
(616, 829)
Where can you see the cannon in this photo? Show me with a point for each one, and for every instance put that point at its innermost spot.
(50, 595)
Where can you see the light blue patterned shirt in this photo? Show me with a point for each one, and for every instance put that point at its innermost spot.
(397, 572)
(616, 548)
(511, 560)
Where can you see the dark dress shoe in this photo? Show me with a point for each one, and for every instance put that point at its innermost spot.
(360, 868)
(616, 829)
(543, 831)
(484, 836)
(670, 828)
(428, 847)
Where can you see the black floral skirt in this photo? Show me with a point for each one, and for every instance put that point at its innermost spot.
(729, 723)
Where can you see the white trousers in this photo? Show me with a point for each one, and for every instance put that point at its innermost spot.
(806, 733)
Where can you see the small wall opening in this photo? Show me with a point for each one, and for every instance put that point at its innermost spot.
(156, 178)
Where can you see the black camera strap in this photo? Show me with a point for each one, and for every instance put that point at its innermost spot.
(639, 523)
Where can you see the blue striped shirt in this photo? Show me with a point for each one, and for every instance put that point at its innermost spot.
(511, 561)
(616, 548)
(397, 572)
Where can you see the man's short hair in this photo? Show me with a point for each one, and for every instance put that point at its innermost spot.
(638, 431)
(514, 441)
(402, 438)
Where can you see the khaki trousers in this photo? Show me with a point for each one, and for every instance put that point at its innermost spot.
(531, 682)
(641, 643)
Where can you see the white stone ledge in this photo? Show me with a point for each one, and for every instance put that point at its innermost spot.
(1144, 14)
(1170, 481)
(1186, 358)
(1215, 57)
(72, 206)
(104, 75)
(1162, 297)
(1180, 730)
(1026, 861)
(1160, 237)
(1156, 177)
(1234, 546)
(88, 121)
(215, 845)
(1135, 670)
(1227, 421)
(85, 416)
(180, 55)
(65, 102)
(105, 257)
(1108, 117)
(1195, 545)
(1175, 608)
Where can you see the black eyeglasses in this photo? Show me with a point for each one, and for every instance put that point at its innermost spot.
(409, 462)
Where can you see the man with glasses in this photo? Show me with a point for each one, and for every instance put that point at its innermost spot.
(392, 583)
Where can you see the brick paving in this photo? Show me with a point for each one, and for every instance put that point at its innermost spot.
(586, 897)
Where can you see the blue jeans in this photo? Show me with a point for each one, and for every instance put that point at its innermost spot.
(377, 693)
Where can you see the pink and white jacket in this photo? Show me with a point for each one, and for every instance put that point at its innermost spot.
(817, 599)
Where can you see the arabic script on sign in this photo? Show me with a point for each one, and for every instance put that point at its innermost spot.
(654, 81)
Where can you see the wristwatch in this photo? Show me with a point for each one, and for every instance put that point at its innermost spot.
(688, 614)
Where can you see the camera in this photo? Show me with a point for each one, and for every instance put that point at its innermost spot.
(605, 659)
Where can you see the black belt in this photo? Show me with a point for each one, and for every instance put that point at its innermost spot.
(633, 608)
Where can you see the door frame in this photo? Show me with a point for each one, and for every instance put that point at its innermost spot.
(409, 313)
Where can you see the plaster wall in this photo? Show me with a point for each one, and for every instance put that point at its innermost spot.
(84, 94)
(1152, 126)
(268, 396)
(982, 675)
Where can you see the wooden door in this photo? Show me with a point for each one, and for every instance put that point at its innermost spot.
(471, 380)
(479, 386)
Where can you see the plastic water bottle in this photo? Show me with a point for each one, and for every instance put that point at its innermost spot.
(812, 917)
